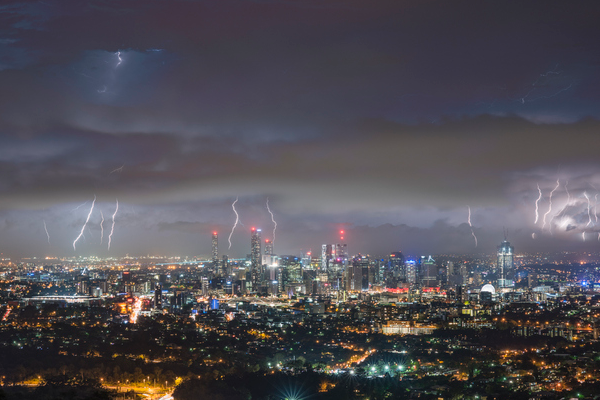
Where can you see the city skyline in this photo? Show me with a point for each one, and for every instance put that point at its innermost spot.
(422, 128)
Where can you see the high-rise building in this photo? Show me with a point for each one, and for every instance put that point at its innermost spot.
(412, 271)
(292, 269)
(341, 254)
(505, 263)
(357, 274)
(327, 256)
(256, 259)
(395, 270)
(158, 299)
(215, 248)
(429, 273)
(268, 247)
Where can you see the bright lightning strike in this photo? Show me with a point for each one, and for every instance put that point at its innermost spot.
(120, 169)
(112, 229)
(589, 209)
(46, 229)
(469, 221)
(272, 219)
(537, 214)
(101, 228)
(85, 224)
(550, 205)
(118, 53)
(596, 207)
(237, 219)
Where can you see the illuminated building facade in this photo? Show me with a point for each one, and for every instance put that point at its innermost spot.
(505, 264)
(215, 248)
(256, 258)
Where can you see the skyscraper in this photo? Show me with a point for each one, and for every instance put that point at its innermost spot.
(429, 272)
(395, 271)
(505, 263)
(327, 256)
(268, 247)
(256, 258)
(215, 248)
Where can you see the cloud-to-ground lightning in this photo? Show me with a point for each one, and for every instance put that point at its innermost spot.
(112, 229)
(550, 204)
(596, 207)
(237, 220)
(101, 227)
(469, 221)
(272, 219)
(537, 202)
(85, 224)
(589, 208)
(46, 229)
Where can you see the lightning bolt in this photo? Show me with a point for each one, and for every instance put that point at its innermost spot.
(272, 219)
(118, 53)
(120, 169)
(46, 229)
(237, 219)
(469, 221)
(79, 206)
(596, 207)
(101, 228)
(562, 212)
(112, 229)
(589, 209)
(537, 208)
(85, 224)
(550, 206)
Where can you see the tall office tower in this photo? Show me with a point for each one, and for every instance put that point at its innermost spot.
(204, 283)
(357, 274)
(158, 296)
(215, 248)
(268, 247)
(505, 263)
(395, 269)
(291, 270)
(412, 271)
(256, 259)
(341, 254)
(429, 273)
(327, 256)
(306, 261)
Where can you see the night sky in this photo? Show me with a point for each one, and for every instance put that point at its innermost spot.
(388, 119)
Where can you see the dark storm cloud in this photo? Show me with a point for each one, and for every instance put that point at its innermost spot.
(389, 118)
